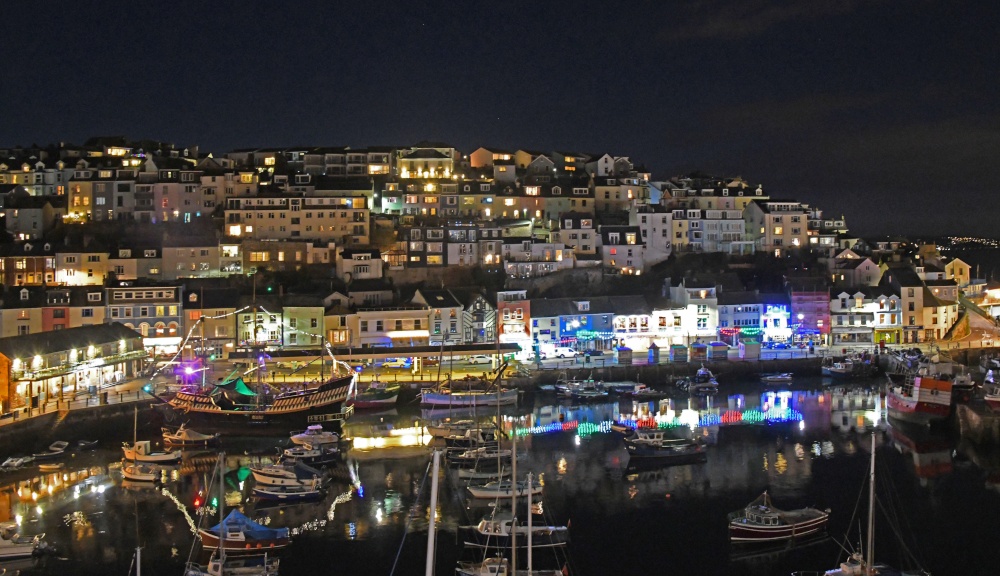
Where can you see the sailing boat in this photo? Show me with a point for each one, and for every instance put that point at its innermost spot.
(133, 470)
(861, 563)
(242, 565)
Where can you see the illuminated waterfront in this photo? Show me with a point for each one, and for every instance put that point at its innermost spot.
(807, 446)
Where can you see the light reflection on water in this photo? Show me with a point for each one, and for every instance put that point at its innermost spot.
(807, 448)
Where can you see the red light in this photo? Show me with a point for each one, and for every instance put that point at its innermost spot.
(197, 502)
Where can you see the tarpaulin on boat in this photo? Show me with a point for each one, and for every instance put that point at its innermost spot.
(253, 531)
(238, 386)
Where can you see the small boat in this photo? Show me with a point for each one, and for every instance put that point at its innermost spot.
(472, 438)
(377, 394)
(314, 434)
(449, 428)
(494, 532)
(654, 444)
(142, 451)
(625, 387)
(53, 467)
(761, 522)
(459, 399)
(139, 472)
(238, 533)
(298, 474)
(643, 392)
(184, 436)
(312, 454)
(588, 394)
(504, 489)
(776, 378)
(843, 369)
(477, 455)
(918, 399)
(56, 449)
(16, 462)
(86, 444)
(243, 565)
(287, 493)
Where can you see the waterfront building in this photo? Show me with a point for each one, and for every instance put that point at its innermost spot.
(210, 321)
(739, 316)
(153, 309)
(904, 280)
(698, 300)
(865, 314)
(445, 316)
(35, 368)
(514, 310)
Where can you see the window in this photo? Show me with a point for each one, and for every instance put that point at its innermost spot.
(364, 325)
(87, 312)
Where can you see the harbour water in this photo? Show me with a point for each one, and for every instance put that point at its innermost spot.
(805, 445)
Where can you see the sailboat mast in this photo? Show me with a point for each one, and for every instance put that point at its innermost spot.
(870, 552)
(513, 502)
(529, 522)
(429, 566)
(222, 505)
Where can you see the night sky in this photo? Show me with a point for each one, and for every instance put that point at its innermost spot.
(883, 111)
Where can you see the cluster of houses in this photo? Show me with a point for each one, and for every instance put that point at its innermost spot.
(528, 213)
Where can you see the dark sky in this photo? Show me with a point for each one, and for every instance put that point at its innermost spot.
(883, 111)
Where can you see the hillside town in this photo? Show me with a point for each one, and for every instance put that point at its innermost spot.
(426, 245)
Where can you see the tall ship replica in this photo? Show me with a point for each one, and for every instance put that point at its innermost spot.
(235, 402)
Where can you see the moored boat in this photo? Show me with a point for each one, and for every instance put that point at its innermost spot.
(314, 434)
(504, 489)
(761, 522)
(992, 397)
(377, 394)
(469, 398)
(918, 399)
(776, 378)
(56, 449)
(449, 428)
(137, 472)
(242, 565)
(287, 493)
(843, 369)
(142, 451)
(184, 436)
(494, 532)
(298, 474)
(312, 454)
(655, 444)
(237, 533)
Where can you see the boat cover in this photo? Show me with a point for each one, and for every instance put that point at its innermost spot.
(253, 530)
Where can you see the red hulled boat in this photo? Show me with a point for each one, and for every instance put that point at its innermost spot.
(919, 399)
(761, 522)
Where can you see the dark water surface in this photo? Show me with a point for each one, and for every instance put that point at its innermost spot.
(810, 447)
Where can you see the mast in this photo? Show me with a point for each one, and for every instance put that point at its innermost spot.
(513, 502)
(870, 553)
(429, 566)
(222, 505)
(529, 523)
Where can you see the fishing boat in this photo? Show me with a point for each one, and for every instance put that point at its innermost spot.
(919, 399)
(588, 394)
(238, 534)
(842, 369)
(377, 394)
(86, 444)
(287, 493)
(776, 378)
(655, 444)
(142, 451)
(448, 398)
(314, 434)
(298, 474)
(566, 386)
(185, 437)
(56, 449)
(472, 438)
(479, 455)
(495, 532)
(759, 522)
(233, 403)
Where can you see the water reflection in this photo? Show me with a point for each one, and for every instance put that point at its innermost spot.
(802, 444)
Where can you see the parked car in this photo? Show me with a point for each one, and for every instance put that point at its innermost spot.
(562, 352)
(430, 361)
(779, 346)
(396, 363)
(479, 359)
